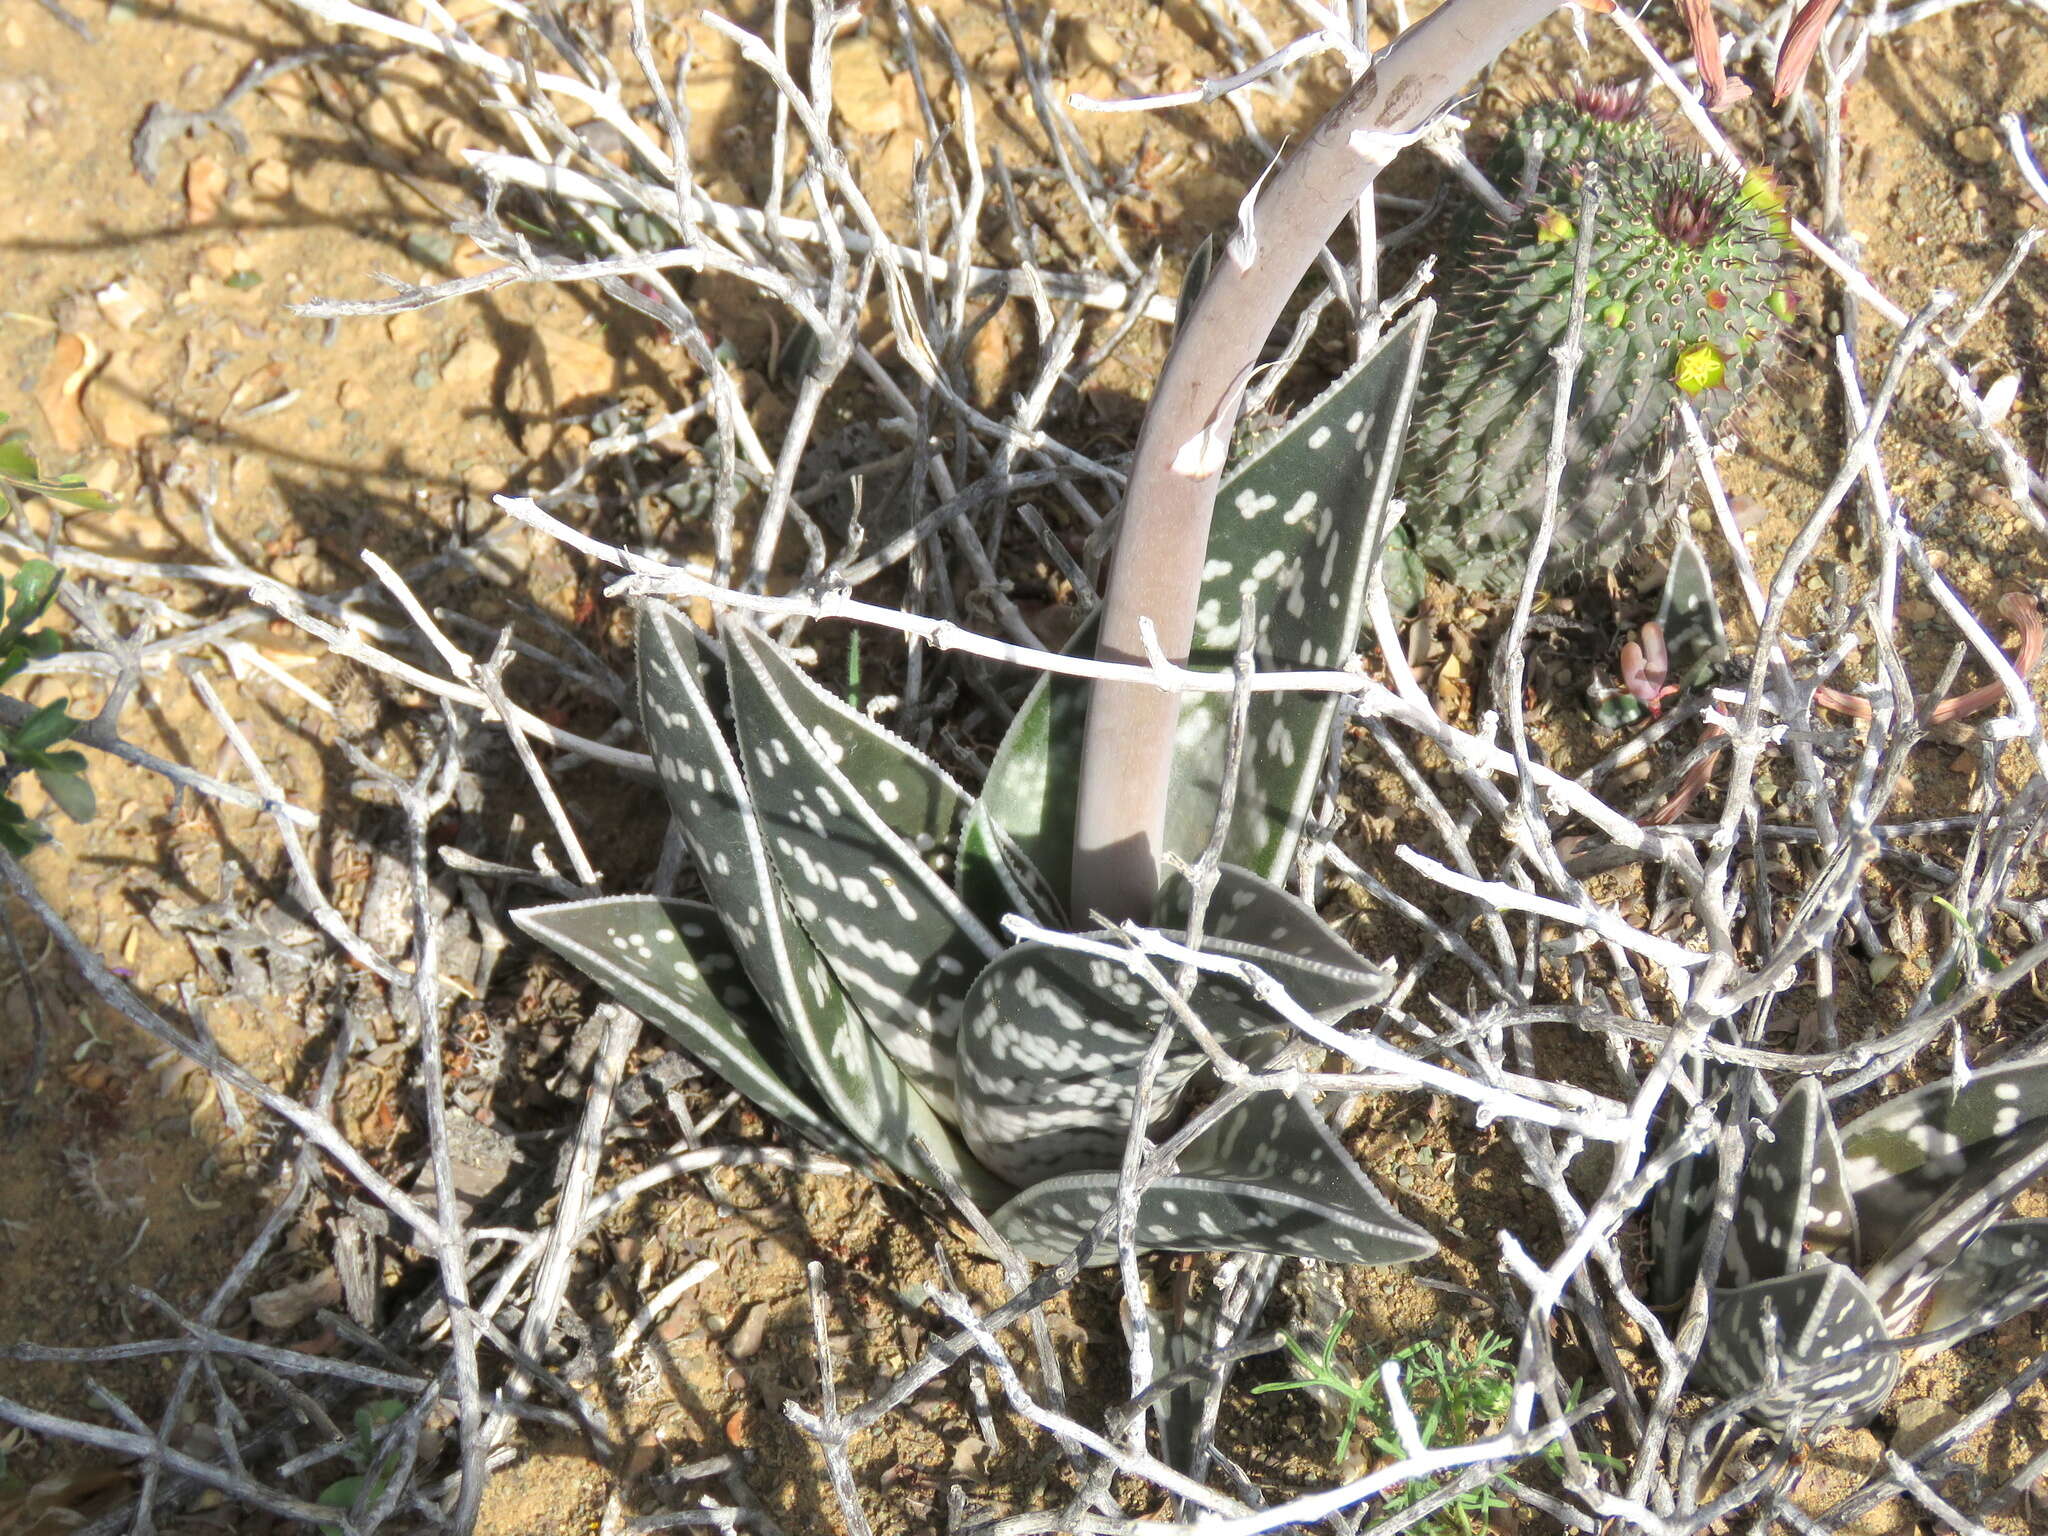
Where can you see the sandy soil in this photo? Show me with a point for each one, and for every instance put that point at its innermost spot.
(145, 342)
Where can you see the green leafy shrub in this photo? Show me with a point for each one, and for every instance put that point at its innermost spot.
(34, 745)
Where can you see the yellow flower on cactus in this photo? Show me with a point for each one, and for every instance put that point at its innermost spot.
(1555, 226)
(1700, 367)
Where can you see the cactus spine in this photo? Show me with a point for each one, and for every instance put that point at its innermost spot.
(1685, 302)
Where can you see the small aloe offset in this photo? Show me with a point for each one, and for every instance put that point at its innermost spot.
(851, 973)
(1848, 1245)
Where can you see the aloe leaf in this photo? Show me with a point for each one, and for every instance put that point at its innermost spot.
(1292, 530)
(1029, 792)
(1904, 1154)
(1690, 614)
(1997, 1277)
(671, 963)
(1252, 919)
(1793, 1195)
(1973, 1202)
(1267, 1178)
(1182, 1334)
(899, 938)
(1053, 1041)
(1684, 1199)
(908, 793)
(855, 1077)
(1291, 524)
(1051, 1048)
(1822, 1320)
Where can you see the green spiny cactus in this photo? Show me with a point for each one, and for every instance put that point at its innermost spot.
(1684, 302)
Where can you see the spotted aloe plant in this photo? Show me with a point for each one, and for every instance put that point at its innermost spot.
(1848, 1245)
(851, 972)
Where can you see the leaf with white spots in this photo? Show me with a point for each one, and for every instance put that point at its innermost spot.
(1975, 1200)
(1250, 918)
(1290, 524)
(1793, 1196)
(1904, 1154)
(2002, 1274)
(1816, 1338)
(899, 939)
(1053, 1041)
(1684, 1198)
(670, 962)
(1184, 1334)
(1269, 1177)
(857, 1079)
(909, 793)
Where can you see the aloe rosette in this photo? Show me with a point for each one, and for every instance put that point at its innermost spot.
(851, 972)
(1849, 1244)
(1685, 302)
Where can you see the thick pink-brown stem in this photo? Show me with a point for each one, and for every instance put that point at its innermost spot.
(1127, 754)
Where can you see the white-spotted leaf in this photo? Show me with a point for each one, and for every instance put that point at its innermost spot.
(1290, 527)
(1975, 1200)
(1053, 1042)
(856, 1078)
(900, 940)
(671, 963)
(1815, 1338)
(1793, 1197)
(2002, 1274)
(1906, 1153)
(1267, 1178)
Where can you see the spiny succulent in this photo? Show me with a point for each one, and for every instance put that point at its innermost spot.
(851, 972)
(1846, 1246)
(1684, 302)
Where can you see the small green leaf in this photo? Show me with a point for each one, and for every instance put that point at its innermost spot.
(242, 280)
(68, 787)
(45, 728)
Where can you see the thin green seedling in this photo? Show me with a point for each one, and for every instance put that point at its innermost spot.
(343, 1492)
(1987, 957)
(1453, 1393)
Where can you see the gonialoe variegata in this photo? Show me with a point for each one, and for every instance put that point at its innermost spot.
(850, 973)
(1848, 1245)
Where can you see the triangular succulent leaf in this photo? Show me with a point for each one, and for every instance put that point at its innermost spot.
(857, 1079)
(1292, 529)
(671, 963)
(1946, 1227)
(1291, 525)
(1907, 1152)
(1792, 1198)
(1813, 1331)
(1267, 1178)
(900, 940)
(1250, 918)
(1051, 1048)
(2000, 1275)
(1182, 1334)
(1684, 1198)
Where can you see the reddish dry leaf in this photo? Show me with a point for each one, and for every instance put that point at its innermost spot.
(1800, 45)
(1721, 92)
